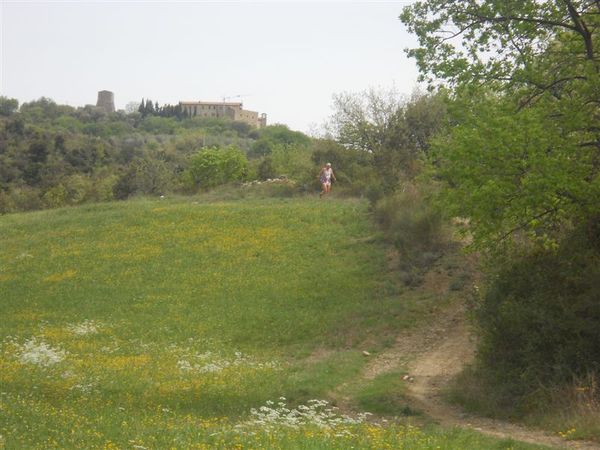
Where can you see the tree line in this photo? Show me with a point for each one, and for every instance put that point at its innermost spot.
(148, 108)
(54, 155)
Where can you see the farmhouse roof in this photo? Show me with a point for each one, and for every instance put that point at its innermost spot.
(212, 103)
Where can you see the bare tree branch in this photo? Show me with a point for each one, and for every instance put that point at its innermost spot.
(524, 225)
(545, 88)
(581, 28)
(537, 21)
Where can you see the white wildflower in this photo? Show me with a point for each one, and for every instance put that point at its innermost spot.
(84, 388)
(184, 366)
(317, 413)
(85, 327)
(213, 367)
(40, 353)
(208, 362)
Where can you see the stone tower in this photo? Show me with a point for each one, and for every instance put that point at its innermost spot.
(106, 101)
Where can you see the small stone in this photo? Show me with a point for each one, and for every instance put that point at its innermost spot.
(366, 353)
(405, 377)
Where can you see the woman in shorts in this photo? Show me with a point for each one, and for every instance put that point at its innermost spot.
(325, 177)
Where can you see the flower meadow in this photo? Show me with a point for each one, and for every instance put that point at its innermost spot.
(180, 324)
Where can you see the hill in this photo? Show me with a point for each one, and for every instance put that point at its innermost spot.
(153, 324)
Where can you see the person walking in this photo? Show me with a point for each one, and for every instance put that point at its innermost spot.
(326, 177)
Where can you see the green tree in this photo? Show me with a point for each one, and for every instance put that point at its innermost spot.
(466, 41)
(8, 106)
(151, 176)
(393, 129)
(524, 152)
(521, 161)
(353, 168)
(261, 147)
(281, 134)
(215, 166)
(149, 108)
(265, 169)
(515, 173)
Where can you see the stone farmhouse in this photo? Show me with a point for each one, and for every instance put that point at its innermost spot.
(229, 110)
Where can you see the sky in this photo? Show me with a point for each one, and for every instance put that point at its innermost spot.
(286, 59)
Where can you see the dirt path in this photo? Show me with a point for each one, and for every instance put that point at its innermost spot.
(432, 356)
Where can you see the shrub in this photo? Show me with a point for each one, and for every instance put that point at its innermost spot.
(540, 317)
(412, 223)
(265, 169)
(159, 125)
(125, 185)
(25, 199)
(152, 176)
(261, 147)
(353, 168)
(291, 161)
(214, 166)
(6, 203)
(71, 190)
(55, 197)
(103, 188)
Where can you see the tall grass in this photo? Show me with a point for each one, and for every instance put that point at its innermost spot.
(415, 226)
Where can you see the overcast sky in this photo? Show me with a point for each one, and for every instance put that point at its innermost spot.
(285, 59)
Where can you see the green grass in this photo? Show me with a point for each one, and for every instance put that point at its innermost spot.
(160, 324)
(385, 395)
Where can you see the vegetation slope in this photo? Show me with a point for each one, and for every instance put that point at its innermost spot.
(186, 324)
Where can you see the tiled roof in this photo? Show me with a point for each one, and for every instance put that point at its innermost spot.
(213, 103)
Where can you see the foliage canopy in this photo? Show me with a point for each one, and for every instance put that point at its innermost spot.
(523, 153)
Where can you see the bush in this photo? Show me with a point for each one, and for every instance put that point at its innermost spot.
(25, 199)
(265, 169)
(412, 223)
(6, 203)
(261, 147)
(159, 125)
(103, 188)
(213, 167)
(540, 318)
(125, 185)
(353, 168)
(71, 190)
(55, 197)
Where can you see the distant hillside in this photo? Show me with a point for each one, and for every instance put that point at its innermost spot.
(53, 155)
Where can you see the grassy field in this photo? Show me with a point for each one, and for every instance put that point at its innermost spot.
(188, 324)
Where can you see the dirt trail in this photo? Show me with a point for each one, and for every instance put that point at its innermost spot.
(432, 356)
